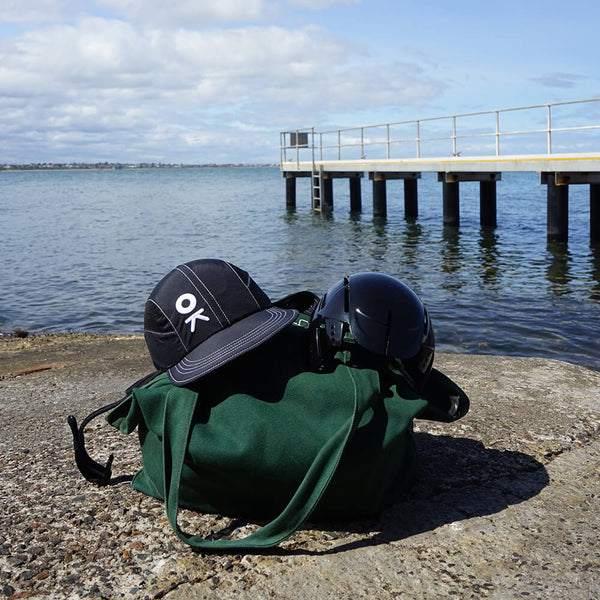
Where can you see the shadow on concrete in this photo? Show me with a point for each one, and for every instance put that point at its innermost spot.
(460, 479)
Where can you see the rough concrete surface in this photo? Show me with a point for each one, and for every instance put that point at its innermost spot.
(507, 505)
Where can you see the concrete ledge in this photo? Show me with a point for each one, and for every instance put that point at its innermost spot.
(508, 503)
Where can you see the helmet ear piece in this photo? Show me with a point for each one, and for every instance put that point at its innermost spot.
(334, 331)
(316, 347)
(325, 337)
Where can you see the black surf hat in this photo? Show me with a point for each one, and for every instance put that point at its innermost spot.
(204, 314)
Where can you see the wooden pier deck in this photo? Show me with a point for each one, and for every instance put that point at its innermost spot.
(560, 141)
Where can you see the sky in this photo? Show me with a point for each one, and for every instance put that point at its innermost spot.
(199, 81)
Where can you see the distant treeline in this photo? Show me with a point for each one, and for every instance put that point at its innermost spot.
(116, 166)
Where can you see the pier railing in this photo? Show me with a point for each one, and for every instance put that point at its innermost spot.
(541, 129)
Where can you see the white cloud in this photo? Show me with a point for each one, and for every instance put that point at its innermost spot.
(256, 51)
(99, 52)
(187, 13)
(113, 56)
(26, 11)
(116, 88)
(200, 13)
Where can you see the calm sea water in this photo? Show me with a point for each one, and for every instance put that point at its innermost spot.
(81, 251)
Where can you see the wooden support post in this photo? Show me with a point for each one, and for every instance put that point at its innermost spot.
(355, 194)
(558, 211)
(595, 214)
(411, 207)
(379, 196)
(451, 203)
(327, 192)
(487, 203)
(290, 191)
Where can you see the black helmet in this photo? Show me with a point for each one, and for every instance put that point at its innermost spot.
(383, 315)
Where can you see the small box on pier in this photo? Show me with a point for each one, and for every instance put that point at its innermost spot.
(299, 139)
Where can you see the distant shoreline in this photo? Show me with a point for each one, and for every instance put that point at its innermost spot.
(125, 166)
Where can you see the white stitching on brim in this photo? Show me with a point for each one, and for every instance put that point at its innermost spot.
(189, 370)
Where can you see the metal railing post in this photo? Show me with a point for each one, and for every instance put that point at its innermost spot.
(454, 135)
(339, 135)
(387, 143)
(321, 146)
(362, 143)
(497, 133)
(549, 130)
(418, 139)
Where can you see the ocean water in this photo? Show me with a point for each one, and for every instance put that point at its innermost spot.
(82, 250)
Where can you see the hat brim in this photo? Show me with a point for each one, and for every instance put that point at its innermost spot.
(231, 342)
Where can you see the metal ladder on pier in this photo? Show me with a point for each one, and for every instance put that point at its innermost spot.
(317, 187)
(316, 178)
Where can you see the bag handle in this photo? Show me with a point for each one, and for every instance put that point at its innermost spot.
(178, 419)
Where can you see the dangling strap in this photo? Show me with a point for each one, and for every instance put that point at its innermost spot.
(92, 470)
(178, 419)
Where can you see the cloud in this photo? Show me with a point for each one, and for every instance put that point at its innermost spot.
(40, 11)
(106, 77)
(111, 55)
(113, 88)
(186, 13)
(195, 13)
(558, 80)
(97, 51)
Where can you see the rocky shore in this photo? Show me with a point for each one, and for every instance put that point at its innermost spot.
(508, 505)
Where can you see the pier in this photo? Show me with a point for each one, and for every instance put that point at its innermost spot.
(560, 141)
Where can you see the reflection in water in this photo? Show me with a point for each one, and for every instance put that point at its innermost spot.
(452, 259)
(290, 215)
(413, 239)
(489, 256)
(359, 232)
(451, 251)
(595, 267)
(380, 247)
(559, 267)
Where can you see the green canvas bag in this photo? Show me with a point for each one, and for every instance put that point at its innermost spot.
(265, 437)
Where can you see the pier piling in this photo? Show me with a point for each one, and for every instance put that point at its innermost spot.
(290, 191)
(558, 210)
(327, 204)
(355, 194)
(379, 195)
(411, 207)
(595, 214)
(487, 203)
(451, 203)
